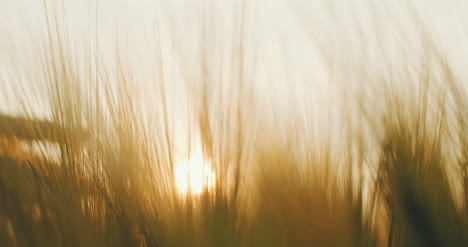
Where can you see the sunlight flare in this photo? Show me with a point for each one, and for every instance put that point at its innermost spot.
(194, 175)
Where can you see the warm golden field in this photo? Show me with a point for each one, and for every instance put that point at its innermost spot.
(206, 137)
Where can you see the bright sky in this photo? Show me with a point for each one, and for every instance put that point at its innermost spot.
(298, 52)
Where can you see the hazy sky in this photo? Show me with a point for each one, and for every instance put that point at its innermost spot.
(298, 53)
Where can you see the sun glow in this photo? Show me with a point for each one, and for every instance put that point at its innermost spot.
(194, 175)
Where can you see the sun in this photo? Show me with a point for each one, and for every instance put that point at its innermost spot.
(194, 175)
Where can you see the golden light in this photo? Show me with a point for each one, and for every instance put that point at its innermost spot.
(194, 175)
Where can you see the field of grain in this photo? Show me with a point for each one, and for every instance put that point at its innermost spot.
(218, 123)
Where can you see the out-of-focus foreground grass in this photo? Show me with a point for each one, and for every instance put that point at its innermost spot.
(394, 176)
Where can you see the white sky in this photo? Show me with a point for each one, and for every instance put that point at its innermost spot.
(299, 52)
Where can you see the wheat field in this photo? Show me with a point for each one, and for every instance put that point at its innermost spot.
(234, 123)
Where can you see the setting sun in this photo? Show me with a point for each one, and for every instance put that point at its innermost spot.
(194, 175)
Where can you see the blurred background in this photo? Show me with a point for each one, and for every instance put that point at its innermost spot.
(233, 123)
